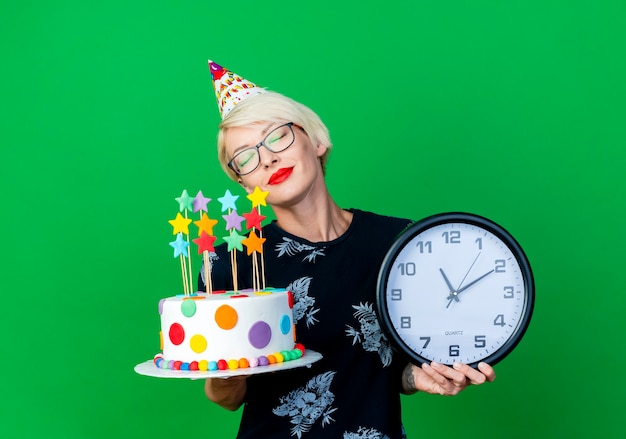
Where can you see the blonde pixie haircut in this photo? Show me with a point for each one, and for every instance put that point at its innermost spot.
(272, 107)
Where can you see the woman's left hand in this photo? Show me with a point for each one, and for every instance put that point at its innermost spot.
(440, 379)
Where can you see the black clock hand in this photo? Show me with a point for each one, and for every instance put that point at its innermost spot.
(453, 292)
(474, 281)
(466, 287)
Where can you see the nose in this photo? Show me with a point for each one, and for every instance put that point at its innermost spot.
(267, 158)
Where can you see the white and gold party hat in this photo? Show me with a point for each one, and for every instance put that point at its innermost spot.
(230, 88)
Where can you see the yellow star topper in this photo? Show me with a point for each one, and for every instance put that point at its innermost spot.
(205, 224)
(180, 224)
(253, 243)
(258, 197)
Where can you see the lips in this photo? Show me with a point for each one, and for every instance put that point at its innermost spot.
(279, 176)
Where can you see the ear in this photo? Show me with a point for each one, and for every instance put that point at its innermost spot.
(244, 186)
(321, 149)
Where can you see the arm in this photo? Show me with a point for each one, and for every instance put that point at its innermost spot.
(228, 393)
(444, 380)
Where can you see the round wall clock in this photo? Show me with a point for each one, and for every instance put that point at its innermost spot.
(455, 287)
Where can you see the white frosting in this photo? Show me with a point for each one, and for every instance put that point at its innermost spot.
(268, 316)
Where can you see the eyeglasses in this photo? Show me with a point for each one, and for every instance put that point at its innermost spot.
(247, 160)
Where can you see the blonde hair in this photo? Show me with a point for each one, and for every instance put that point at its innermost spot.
(272, 107)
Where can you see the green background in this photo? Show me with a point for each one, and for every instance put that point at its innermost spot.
(514, 110)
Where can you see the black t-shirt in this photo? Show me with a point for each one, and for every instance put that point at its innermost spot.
(353, 391)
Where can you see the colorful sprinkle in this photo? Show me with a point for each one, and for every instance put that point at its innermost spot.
(285, 324)
(260, 334)
(290, 299)
(177, 333)
(226, 317)
(198, 343)
(242, 363)
(188, 307)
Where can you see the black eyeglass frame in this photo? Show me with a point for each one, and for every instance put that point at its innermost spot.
(262, 143)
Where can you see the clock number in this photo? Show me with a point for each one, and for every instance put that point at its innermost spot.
(508, 292)
(499, 320)
(396, 294)
(479, 241)
(407, 269)
(480, 341)
(424, 246)
(500, 264)
(454, 350)
(426, 341)
(452, 237)
(405, 322)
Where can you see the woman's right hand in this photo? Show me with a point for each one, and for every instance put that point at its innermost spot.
(229, 392)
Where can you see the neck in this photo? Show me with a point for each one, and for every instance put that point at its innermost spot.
(318, 220)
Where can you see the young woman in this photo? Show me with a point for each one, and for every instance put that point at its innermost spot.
(329, 258)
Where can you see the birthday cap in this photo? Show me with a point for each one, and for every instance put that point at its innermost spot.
(230, 88)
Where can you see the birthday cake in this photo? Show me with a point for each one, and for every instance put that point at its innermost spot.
(227, 330)
(224, 330)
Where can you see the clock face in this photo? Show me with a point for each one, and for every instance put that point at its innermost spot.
(456, 288)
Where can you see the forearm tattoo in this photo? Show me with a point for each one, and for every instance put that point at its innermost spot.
(408, 380)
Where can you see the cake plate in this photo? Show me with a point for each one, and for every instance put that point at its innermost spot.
(148, 368)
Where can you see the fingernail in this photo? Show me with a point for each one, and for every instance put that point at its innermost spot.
(457, 366)
(425, 365)
(434, 364)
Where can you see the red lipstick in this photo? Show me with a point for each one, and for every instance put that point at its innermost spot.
(279, 176)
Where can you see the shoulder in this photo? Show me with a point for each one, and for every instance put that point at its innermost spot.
(375, 233)
(393, 225)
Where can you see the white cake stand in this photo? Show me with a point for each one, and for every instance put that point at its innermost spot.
(148, 368)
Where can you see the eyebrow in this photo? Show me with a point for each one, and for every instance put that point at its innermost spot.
(263, 132)
(268, 127)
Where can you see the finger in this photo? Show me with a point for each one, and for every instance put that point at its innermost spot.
(485, 373)
(488, 371)
(472, 375)
(450, 375)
